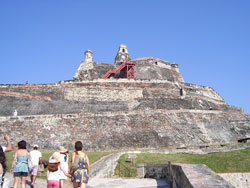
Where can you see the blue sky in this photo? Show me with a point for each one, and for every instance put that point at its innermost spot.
(43, 41)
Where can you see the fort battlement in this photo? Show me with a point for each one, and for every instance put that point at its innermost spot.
(156, 109)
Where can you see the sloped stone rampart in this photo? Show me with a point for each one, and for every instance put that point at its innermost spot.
(126, 130)
(120, 114)
(98, 96)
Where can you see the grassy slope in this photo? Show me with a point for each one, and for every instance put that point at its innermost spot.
(223, 162)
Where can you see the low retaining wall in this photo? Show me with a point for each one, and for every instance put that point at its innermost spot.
(183, 175)
(239, 180)
(156, 171)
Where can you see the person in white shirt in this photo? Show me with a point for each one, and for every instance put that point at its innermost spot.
(35, 159)
(8, 147)
(64, 163)
(53, 172)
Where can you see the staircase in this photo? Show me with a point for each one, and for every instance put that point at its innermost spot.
(127, 69)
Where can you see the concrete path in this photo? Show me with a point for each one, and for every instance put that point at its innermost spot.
(40, 183)
(126, 183)
(104, 183)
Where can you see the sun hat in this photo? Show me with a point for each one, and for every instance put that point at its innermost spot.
(62, 149)
(56, 155)
(52, 159)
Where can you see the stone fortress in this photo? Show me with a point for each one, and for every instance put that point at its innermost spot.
(155, 109)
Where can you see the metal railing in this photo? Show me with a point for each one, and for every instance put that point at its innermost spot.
(127, 169)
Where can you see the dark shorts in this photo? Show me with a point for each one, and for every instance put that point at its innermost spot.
(21, 174)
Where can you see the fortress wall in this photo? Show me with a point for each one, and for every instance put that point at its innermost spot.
(106, 95)
(33, 91)
(126, 130)
(83, 94)
(92, 70)
(157, 69)
(203, 92)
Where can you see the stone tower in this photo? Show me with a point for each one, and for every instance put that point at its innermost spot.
(85, 65)
(88, 56)
(122, 55)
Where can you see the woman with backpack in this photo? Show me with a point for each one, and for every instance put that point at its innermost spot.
(79, 167)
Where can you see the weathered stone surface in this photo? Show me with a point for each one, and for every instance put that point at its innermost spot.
(201, 176)
(239, 180)
(148, 68)
(127, 130)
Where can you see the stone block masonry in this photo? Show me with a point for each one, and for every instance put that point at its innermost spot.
(119, 114)
(126, 130)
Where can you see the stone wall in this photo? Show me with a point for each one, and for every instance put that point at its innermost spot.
(239, 180)
(113, 115)
(154, 68)
(146, 69)
(126, 130)
(183, 175)
(102, 95)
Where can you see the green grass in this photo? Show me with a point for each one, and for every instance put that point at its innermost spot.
(223, 162)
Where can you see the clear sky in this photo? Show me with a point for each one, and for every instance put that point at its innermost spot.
(43, 41)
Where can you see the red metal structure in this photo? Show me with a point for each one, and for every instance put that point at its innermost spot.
(126, 69)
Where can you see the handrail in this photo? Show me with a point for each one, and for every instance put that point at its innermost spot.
(126, 168)
(124, 64)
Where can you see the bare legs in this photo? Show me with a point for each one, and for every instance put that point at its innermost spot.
(23, 181)
(75, 185)
(83, 185)
(33, 179)
(61, 183)
(16, 180)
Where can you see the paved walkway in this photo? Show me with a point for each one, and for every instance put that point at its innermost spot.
(127, 183)
(104, 183)
(40, 183)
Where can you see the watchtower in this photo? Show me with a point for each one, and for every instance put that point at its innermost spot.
(122, 55)
(88, 56)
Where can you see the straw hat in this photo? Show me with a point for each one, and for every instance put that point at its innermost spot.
(56, 156)
(62, 149)
(52, 160)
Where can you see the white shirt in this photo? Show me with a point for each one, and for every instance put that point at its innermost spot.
(54, 175)
(64, 165)
(34, 157)
(4, 148)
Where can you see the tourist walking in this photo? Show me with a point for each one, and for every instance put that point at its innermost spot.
(8, 147)
(64, 163)
(35, 159)
(53, 172)
(3, 167)
(79, 167)
(20, 164)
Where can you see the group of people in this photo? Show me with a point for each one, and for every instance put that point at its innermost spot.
(58, 170)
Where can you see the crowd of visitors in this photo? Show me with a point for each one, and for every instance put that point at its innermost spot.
(59, 168)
